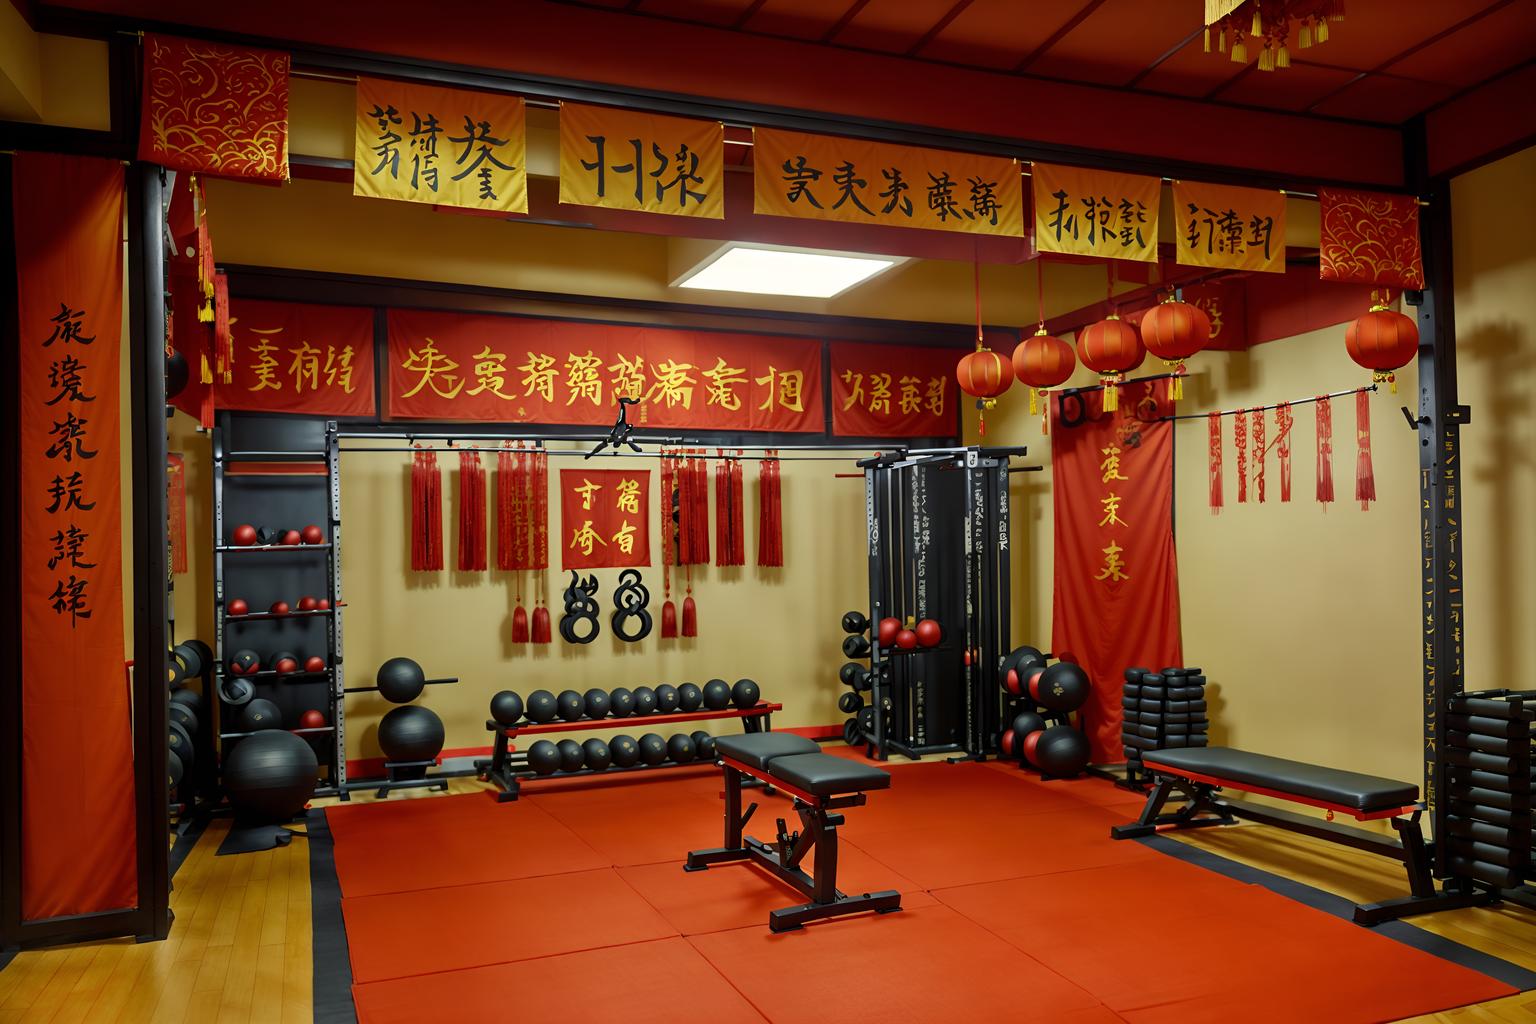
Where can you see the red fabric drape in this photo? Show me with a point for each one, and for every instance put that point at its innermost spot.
(77, 789)
(1116, 586)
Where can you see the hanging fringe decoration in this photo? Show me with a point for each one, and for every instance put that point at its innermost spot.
(1283, 423)
(701, 509)
(1259, 454)
(1325, 450)
(1365, 473)
(426, 512)
(728, 511)
(540, 533)
(506, 491)
(770, 515)
(667, 501)
(472, 557)
(738, 514)
(1240, 442)
(1213, 426)
(690, 610)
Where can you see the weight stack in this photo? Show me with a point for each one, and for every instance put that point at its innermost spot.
(1162, 710)
(1488, 776)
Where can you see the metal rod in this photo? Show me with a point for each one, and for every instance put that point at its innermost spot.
(1262, 408)
(668, 441)
(565, 453)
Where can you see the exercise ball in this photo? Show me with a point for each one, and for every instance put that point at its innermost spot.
(689, 698)
(285, 663)
(244, 662)
(1026, 722)
(279, 608)
(308, 604)
(666, 698)
(855, 646)
(906, 639)
(506, 708)
(236, 607)
(928, 633)
(179, 741)
(182, 716)
(1061, 687)
(854, 622)
(596, 755)
(680, 748)
(717, 694)
(1006, 742)
(189, 658)
(745, 693)
(411, 733)
(645, 700)
(290, 537)
(1061, 750)
(544, 757)
(176, 375)
(312, 534)
(597, 703)
(569, 705)
(621, 703)
(624, 750)
(400, 680)
(243, 535)
(703, 745)
(270, 776)
(653, 749)
(260, 714)
(541, 706)
(314, 663)
(312, 719)
(191, 698)
(571, 755)
(886, 634)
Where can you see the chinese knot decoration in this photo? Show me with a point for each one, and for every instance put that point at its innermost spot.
(1383, 341)
(1173, 331)
(1110, 348)
(1232, 24)
(579, 624)
(1042, 362)
(631, 601)
(984, 375)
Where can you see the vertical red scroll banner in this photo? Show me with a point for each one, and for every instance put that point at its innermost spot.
(1117, 588)
(77, 797)
(603, 518)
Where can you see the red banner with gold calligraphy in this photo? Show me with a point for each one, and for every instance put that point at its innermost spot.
(603, 521)
(176, 509)
(1117, 586)
(298, 358)
(77, 797)
(215, 109)
(454, 366)
(1369, 238)
(894, 390)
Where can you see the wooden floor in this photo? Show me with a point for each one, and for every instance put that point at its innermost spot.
(243, 927)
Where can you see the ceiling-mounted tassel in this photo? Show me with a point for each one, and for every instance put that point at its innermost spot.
(1240, 445)
(1325, 450)
(1111, 386)
(1336, 10)
(1259, 454)
(770, 531)
(1365, 473)
(520, 632)
(1258, 21)
(1213, 471)
(1266, 60)
(505, 497)
(738, 513)
(1282, 57)
(1239, 49)
(1221, 38)
(1320, 32)
(1304, 33)
(1283, 421)
(1207, 36)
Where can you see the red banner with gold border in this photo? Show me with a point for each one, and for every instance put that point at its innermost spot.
(1117, 587)
(894, 390)
(1369, 238)
(298, 358)
(455, 366)
(603, 521)
(215, 109)
(77, 797)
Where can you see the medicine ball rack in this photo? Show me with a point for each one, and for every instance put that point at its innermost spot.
(508, 768)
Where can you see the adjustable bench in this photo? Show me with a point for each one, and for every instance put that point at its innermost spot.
(820, 784)
(1199, 772)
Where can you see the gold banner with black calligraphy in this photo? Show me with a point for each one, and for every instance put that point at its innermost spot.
(824, 177)
(629, 160)
(1230, 227)
(449, 147)
(603, 520)
(1096, 213)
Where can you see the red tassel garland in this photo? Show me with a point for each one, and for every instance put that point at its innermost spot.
(472, 555)
(426, 512)
(1283, 421)
(701, 510)
(1325, 450)
(738, 515)
(1240, 442)
(1213, 426)
(722, 509)
(770, 518)
(505, 499)
(540, 531)
(1365, 473)
(1259, 453)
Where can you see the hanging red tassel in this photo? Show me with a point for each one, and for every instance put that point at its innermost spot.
(472, 557)
(1213, 427)
(1259, 453)
(1325, 450)
(684, 512)
(668, 527)
(722, 509)
(1240, 443)
(505, 497)
(540, 501)
(701, 511)
(1365, 473)
(770, 535)
(738, 514)
(690, 610)
(1283, 421)
(426, 512)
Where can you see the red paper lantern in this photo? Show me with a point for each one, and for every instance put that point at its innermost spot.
(1111, 349)
(1042, 362)
(983, 374)
(1173, 331)
(1382, 341)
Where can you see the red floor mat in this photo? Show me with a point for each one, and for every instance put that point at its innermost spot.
(495, 922)
(926, 964)
(657, 827)
(456, 840)
(1168, 942)
(661, 982)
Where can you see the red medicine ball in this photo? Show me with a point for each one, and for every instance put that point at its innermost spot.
(928, 633)
(236, 606)
(307, 603)
(1030, 743)
(1008, 742)
(311, 534)
(314, 663)
(889, 627)
(279, 608)
(906, 639)
(324, 604)
(244, 535)
(286, 664)
(1033, 676)
(289, 537)
(311, 720)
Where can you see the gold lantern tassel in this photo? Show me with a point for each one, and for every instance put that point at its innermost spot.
(1282, 57)
(1239, 49)
(1221, 39)
(1111, 393)
(1034, 401)
(1266, 58)
(1258, 20)
(1176, 386)
(1207, 39)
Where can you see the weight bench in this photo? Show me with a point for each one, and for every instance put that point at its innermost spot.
(1198, 773)
(820, 784)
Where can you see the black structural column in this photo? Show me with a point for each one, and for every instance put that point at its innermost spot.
(146, 357)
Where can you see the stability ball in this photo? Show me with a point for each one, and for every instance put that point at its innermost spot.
(745, 693)
(506, 707)
(1026, 722)
(544, 757)
(624, 751)
(571, 755)
(541, 707)
(717, 694)
(689, 698)
(411, 733)
(621, 703)
(270, 776)
(1060, 750)
(653, 749)
(1061, 687)
(855, 622)
(400, 680)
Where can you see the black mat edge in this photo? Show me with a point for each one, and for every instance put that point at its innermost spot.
(332, 962)
(182, 848)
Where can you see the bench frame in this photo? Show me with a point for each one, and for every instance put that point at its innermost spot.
(818, 832)
(1203, 808)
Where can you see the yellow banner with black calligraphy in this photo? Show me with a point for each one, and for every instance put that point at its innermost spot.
(449, 147)
(1096, 213)
(1230, 227)
(629, 160)
(823, 177)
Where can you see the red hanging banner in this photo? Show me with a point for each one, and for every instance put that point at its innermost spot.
(77, 796)
(894, 390)
(298, 358)
(603, 520)
(1116, 589)
(1213, 469)
(1369, 238)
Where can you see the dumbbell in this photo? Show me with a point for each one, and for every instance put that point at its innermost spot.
(856, 646)
(855, 622)
(850, 703)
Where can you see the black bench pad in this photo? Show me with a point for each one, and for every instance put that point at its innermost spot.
(826, 775)
(757, 749)
(1343, 789)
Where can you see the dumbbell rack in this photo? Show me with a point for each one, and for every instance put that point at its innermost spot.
(508, 769)
(1489, 800)
(334, 762)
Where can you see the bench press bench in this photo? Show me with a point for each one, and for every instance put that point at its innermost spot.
(1198, 773)
(820, 785)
